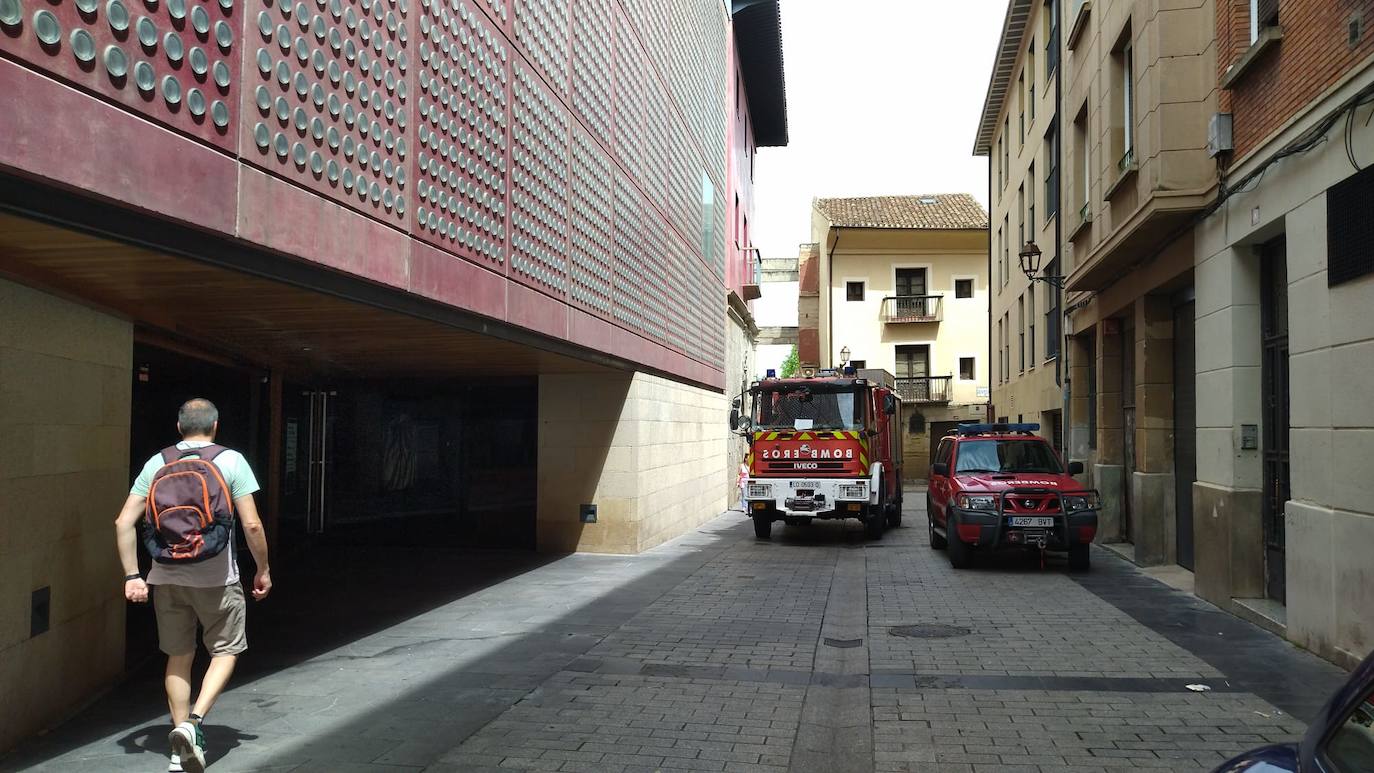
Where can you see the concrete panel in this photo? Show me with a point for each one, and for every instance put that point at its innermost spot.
(1153, 518)
(1349, 307)
(1228, 543)
(1312, 464)
(1352, 583)
(1351, 452)
(1310, 384)
(1309, 325)
(1229, 337)
(1309, 572)
(1305, 235)
(38, 322)
(1109, 480)
(1352, 378)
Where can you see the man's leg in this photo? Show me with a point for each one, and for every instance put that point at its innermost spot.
(178, 684)
(216, 678)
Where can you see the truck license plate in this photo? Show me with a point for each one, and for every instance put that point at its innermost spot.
(1034, 522)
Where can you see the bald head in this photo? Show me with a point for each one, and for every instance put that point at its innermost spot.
(197, 417)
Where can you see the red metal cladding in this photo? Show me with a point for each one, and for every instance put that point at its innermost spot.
(631, 80)
(463, 157)
(499, 12)
(174, 62)
(631, 264)
(157, 170)
(449, 279)
(539, 184)
(590, 243)
(294, 221)
(592, 43)
(541, 30)
(326, 102)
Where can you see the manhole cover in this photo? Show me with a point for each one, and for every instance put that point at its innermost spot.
(843, 644)
(929, 631)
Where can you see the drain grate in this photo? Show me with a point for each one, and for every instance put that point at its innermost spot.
(843, 644)
(929, 631)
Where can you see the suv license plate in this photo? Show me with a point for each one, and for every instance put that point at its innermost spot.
(1034, 522)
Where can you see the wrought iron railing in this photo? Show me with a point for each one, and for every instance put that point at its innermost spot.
(912, 308)
(925, 389)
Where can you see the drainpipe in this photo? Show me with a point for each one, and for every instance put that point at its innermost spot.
(830, 294)
(989, 409)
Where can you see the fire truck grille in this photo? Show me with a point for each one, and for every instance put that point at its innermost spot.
(1032, 503)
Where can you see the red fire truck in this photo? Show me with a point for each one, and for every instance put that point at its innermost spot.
(827, 446)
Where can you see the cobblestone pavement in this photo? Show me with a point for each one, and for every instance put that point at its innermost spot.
(816, 651)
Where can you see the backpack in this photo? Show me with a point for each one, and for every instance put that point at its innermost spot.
(189, 515)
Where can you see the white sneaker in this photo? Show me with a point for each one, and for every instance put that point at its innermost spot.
(188, 744)
(175, 765)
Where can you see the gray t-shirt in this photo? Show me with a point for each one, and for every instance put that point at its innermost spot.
(219, 570)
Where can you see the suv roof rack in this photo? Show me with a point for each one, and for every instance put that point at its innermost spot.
(995, 429)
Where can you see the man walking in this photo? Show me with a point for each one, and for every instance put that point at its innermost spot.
(192, 582)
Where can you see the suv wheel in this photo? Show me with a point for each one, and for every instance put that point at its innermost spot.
(763, 525)
(1080, 557)
(894, 514)
(960, 552)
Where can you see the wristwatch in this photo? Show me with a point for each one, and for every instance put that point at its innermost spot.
(134, 576)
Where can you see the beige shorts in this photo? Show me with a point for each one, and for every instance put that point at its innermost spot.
(219, 611)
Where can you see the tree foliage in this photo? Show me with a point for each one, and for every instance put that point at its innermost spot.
(789, 365)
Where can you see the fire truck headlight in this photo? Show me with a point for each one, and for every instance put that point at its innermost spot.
(854, 491)
(759, 491)
(977, 502)
(1080, 502)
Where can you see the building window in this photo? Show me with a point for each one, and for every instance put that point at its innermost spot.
(1006, 150)
(1021, 331)
(1263, 13)
(966, 369)
(1001, 168)
(1080, 163)
(911, 282)
(1030, 200)
(1052, 315)
(963, 288)
(1030, 87)
(913, 361)
(1021, 94)
(1051, 171)
(853, 291)
(1051, 39)
(1123, 102)
(858, 364)
(1006, 347)
(1349, 229)
(1030, 324)
(1001, 246)
(1020, 218)
(1006, 251)
(997, 362)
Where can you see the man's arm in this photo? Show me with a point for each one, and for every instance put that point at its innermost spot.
(126, 540)
(256, 537)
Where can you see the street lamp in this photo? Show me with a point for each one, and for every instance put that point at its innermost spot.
(1029, 257)
(844, 356)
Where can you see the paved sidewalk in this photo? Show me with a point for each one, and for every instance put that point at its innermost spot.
(816, 651)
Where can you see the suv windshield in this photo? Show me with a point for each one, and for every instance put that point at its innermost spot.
(1006, 456)
(814, 407)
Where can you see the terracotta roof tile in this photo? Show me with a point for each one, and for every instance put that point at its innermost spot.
(941, 211)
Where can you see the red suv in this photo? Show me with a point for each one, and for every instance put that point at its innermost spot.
(1000, 486)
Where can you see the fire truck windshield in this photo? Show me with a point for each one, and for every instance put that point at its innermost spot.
(822, 408)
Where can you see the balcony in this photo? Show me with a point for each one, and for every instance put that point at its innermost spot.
(925, 389)
(912, 308)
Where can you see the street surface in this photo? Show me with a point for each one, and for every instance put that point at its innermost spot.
(817, 651)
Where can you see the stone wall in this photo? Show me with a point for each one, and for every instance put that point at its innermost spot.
(650, 453)
(65, 386)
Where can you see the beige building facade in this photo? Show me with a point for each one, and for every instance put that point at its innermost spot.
(903, 288)
(1019, 135)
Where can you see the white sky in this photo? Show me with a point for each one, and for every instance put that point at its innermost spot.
(883, 98)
